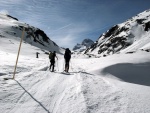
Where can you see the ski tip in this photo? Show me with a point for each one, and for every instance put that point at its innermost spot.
(67, 73)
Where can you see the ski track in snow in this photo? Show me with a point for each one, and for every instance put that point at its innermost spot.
(80, 92)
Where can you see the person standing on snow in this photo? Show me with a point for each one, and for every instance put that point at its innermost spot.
(52, 60)
(67, 57)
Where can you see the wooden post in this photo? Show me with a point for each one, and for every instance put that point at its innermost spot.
(18, 52)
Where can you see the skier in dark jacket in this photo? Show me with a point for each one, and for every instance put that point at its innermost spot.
(52, 60)
(67, 57)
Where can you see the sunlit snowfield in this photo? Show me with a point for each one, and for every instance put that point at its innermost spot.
(115, 84)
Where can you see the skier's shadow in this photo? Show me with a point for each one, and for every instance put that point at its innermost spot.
(132, 73)
(33, 97)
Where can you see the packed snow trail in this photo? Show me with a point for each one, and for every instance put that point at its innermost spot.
(131, 79)
(85, 90)
(46, 92)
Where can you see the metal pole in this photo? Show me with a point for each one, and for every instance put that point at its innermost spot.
(63, 65)
(18, 52)
(57, 65)
(71, 65)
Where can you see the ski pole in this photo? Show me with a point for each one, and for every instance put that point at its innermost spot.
(48, 65)
(57, 65)
(64, 65)
(71, 65)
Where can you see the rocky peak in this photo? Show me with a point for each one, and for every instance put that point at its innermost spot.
(84, 45)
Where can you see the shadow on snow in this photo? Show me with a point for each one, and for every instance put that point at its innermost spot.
(33, 97)
(132, 73)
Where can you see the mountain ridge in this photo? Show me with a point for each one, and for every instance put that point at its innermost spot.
(12, 27)
(83, 46)
(121, 37)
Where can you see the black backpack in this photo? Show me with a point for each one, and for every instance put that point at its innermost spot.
(67, 54)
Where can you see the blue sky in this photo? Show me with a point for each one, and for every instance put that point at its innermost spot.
(68, 22)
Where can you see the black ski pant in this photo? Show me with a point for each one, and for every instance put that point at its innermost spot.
(52, 65)
(67, 64)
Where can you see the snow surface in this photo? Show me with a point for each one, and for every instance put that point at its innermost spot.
(114, 84)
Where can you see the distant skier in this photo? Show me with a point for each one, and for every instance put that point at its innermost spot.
(37, 54)
(52, 60)
(67, 57)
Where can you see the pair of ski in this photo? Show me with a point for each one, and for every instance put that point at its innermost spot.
(64, 72)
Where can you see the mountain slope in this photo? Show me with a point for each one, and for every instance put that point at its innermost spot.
(129, 36)
(11, 30)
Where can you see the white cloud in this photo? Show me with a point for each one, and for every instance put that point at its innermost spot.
(69, 35)
(5, 12)
(67, 41)
(62, 28)
(10, 2)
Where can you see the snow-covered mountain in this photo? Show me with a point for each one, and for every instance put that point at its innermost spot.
(129, 36)
(83, 46)
(11, 30)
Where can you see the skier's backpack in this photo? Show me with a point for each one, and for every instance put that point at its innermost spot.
(51, 55)
(67, 54)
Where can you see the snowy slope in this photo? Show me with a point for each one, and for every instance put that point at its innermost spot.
(11, 30)
(129, 36)
(114, 84)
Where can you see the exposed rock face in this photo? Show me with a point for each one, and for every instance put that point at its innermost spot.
(84, 45)
(121, 36)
